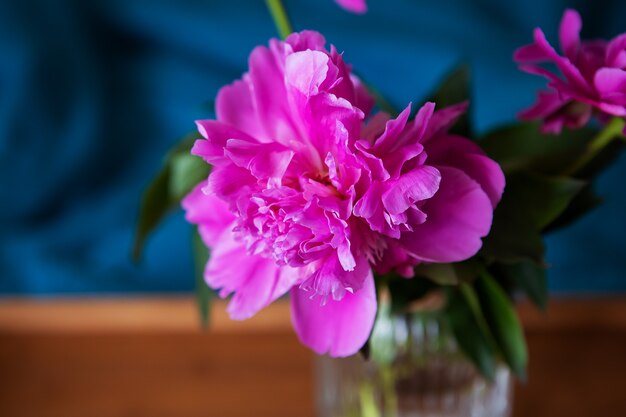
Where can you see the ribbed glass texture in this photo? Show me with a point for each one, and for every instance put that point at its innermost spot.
(416, 370)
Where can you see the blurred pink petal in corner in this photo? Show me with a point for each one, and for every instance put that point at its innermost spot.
(354, 6)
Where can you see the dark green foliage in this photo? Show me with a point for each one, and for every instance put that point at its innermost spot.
(455, 89)
(530, 203)
(203, 293)
(503, 323)
(155, 204)
(465, 319)
(180, 172)
(522, 147)
(405, 291)
(585, 201)
(526, 276)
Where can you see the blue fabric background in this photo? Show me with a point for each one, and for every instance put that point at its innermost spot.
(93, 93)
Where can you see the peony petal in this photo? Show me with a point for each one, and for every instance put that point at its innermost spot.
(265, 283)
(569, 34)
(254, 280)
(263, 160)
(370, 207)
(354, 6)
(420, 123)
(530, 54)
(306, 71)
(552, 126)
(575, 115)
(395, 258)
(591, 57)
(208, 212)
(328, 278)
(388, 141)
(616, 52)
(547, 103)
(374, 128)
(362, 97)
(328, 124)
(375, 167)
(444, 119)
(458, 152)
(459, 215)
(229, 182)
(609, 81)
(400, 142)
(613, 109)
(234, 107)
(338, 328)
(216, 134)
(306, 39)
(270, 98)
(555, 82)
(396, 162)
(567, 68)
(416, 185)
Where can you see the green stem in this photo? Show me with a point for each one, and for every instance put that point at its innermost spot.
(279, 15)
(389, 391)
(367, 400)
(610, 132)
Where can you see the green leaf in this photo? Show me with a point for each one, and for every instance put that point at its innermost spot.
(365, 350)
(155, 204)
(454, 89)
(503, 323)
(513, 242)
(404, 291)
(382, 343)
(203, 293)
(600, 151)
(469, 270)
(187, 171)
(529, 204)
(585, 201)
(601, 160)
(522, 146)
(442, 274)
(470, 334)
(513, 236)
(545, 198)
(179, 173)
(528, 277)
(450, 274)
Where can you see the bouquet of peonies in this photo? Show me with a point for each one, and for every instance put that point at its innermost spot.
(319, 189)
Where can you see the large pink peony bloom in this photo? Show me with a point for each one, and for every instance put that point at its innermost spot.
(593, 77)
(303, 198)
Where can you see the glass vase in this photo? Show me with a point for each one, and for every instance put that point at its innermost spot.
(415, 369)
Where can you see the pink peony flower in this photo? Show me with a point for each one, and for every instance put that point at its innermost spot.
(593, 77)
(354, 6)
(431, 194)
(305, 198)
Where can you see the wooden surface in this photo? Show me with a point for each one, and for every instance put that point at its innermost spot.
(147, 357)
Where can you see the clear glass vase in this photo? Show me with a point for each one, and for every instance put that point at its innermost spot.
(415, 370)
